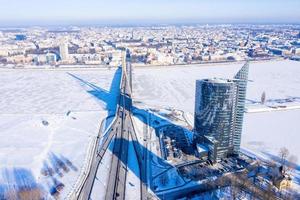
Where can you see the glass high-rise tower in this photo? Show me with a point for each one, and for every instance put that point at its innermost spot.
(241, 79)
(215, 113)
(219, 112)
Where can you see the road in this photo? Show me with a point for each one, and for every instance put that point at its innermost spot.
(98, 154)
(118, 170)
(121, 129)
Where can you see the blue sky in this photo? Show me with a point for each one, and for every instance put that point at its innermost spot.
(203, 11)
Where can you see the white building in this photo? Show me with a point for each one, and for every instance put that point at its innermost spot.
(64, 51)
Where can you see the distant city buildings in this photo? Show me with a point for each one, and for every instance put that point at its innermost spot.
(64, 51)
(51, 58)
(164, 45)
(219, 110)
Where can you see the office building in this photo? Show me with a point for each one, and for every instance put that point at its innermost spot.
(219, 112)
(241, 80)
(64, 51)
(215, 112)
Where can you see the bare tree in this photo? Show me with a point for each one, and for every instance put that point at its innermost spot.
(234, 192)
(235, 187)
(11, 194)
(269, 192)
(283, 154)
(263, 98)
(33, 194)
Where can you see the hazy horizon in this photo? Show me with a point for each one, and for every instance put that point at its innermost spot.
(117, 12)
(132, 23)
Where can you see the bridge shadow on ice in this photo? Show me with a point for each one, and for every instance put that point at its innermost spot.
(110, 98)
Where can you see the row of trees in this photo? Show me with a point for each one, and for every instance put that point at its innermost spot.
(287, 161)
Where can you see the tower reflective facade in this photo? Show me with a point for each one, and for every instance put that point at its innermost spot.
(215, 112)
(241, 79)
(219, 113)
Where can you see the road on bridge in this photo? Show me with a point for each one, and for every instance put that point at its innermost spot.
(120, 130)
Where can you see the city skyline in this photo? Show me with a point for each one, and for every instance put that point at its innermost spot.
(160, 99)
(32, 12)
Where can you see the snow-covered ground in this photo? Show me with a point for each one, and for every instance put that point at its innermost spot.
(174, 86)
(47, 121)
(264, 133)
(48, 117)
